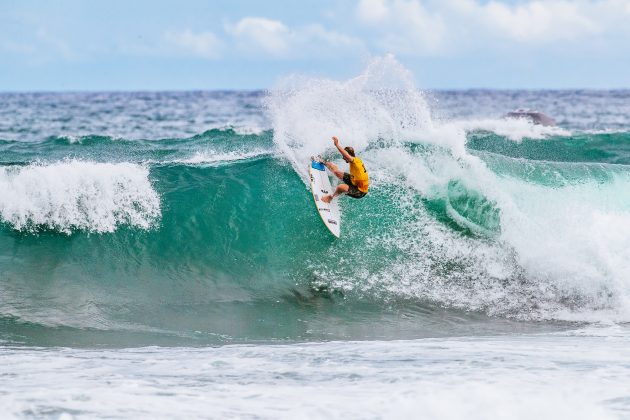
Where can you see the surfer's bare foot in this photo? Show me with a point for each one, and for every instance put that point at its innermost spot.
(327, 198)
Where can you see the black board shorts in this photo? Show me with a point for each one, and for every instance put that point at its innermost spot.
(353, 191)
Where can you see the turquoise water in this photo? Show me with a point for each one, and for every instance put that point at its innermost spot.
(186, 241)
(175, 233)
(224, 251)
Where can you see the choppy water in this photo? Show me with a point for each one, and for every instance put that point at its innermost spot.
(485, 249)
(526, 376)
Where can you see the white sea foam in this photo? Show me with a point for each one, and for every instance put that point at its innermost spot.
(252, 128)
(514, 377)
(69, 195)
(562, 251)
(213, 157)
(515, 129)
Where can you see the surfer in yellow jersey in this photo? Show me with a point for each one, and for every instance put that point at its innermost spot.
(355, 184)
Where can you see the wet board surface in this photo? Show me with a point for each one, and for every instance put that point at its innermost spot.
(320, 186)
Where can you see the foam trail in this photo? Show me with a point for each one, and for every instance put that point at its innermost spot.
(69, 195)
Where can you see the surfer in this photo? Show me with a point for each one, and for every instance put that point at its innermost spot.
(355, 184)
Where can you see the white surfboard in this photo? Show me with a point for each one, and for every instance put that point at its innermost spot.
(320, 186)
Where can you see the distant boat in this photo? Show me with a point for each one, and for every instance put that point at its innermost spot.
(534, 116)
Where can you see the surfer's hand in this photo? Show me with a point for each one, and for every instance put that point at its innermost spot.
(335, 140)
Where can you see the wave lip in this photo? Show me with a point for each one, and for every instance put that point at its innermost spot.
(77, 195)
(217, 158)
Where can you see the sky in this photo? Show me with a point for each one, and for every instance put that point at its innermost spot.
(70, 45)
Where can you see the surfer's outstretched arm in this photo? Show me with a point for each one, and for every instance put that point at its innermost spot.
(346, 156)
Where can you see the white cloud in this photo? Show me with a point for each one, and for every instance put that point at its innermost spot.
(419, 27)
(41, 45)
(320, 36)
(372, 11)
(407, 25)
(203, 44)
(257, 35)
(270, 35)
(535, 21)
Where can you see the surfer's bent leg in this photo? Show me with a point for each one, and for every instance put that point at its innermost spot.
(341, 189)
(334, 169)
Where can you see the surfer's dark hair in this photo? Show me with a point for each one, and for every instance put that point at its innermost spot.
(350, 150)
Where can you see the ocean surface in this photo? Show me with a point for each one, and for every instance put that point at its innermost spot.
(161, 256)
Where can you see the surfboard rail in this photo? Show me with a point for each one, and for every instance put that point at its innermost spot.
(320, 186)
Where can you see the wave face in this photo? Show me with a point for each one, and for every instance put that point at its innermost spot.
(472, 224)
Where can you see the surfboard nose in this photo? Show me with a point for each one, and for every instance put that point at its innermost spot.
(318, 165)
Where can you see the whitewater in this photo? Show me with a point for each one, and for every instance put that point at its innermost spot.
(160, 255)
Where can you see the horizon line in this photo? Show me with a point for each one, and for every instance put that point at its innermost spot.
(252, 90)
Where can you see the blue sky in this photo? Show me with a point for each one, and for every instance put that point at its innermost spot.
(193, 44)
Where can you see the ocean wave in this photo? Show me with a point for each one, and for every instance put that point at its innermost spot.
(479, 216)
(70, 195)
(467, 234)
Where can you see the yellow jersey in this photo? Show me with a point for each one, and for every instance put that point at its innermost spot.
(358, 175)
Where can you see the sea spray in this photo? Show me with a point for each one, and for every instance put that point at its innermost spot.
(381, 103)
